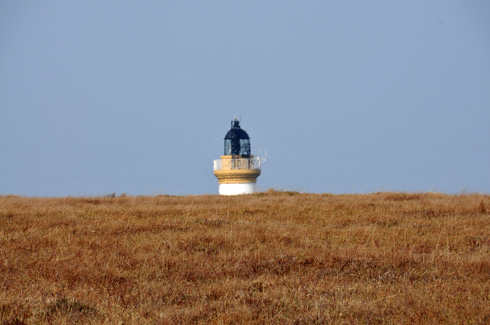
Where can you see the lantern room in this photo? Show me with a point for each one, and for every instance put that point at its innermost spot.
(237, 141)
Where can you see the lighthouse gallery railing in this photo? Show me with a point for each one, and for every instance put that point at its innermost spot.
(238, 163)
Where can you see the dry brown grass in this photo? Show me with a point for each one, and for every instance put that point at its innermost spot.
(278, 257)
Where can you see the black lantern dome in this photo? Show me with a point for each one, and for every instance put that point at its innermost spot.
(237, 141)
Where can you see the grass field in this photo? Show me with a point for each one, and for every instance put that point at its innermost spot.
(278, 257)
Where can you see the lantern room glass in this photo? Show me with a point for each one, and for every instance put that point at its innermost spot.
(234, 147)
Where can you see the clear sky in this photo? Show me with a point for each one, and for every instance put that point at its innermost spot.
(346, 96)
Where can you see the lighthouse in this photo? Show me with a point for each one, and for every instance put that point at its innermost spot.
(237, 170)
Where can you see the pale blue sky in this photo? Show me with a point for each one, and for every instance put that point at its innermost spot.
(346, 96)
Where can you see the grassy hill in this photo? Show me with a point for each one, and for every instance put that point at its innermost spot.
(278, 257)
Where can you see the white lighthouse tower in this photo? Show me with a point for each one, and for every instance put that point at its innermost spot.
(237, 170)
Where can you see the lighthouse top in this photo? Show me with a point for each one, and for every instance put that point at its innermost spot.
(237, 141)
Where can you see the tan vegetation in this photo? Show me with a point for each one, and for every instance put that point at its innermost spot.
(278, 257)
